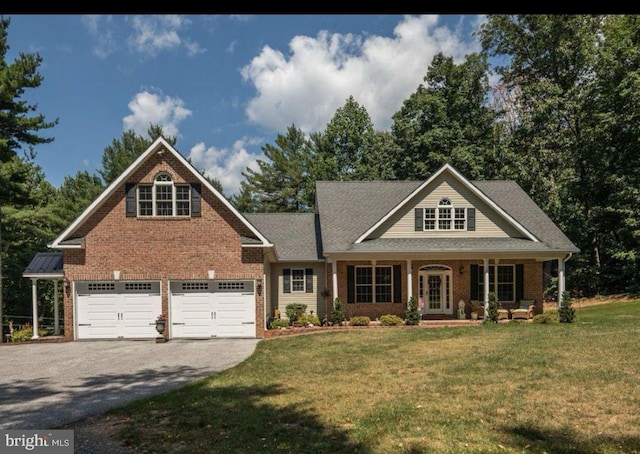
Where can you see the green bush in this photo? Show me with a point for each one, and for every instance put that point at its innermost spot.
(547, 317)
(25, 334)
(492, 315)
(278, 323)
(567, 313)
(308, 319)
(413, 315)
(337, 313)
(390, 320)
(294, 311)
(359, 320)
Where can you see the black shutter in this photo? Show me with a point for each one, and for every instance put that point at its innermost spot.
(351, 286)
(474, 282)
(130, 205)
(196, 205)
(286, 280)
(419, 221)
(471, 219)
(397, 283)
(519, 282)
(309, 280)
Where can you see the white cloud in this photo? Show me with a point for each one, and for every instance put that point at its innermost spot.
(231, 48)
(308, 85)
(101, 30)
(226, 164)
(155, 108)
(154, 34)
(241, 17)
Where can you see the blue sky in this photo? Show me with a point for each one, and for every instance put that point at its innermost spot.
(224, 85)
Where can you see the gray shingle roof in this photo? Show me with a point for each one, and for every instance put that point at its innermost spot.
(449, 245)
(44, 263)
(296, 236)
(349, 208)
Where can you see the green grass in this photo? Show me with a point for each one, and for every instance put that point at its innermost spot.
(514, 387)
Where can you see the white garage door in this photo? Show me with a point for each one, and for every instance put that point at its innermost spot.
(204, 309)
(117, 310)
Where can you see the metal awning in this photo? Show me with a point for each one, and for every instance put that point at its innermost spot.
(45, 265)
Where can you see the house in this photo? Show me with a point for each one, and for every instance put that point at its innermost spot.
(161, 239)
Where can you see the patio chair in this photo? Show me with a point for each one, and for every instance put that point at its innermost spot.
(477, 307)
(525, 311)
(503, 314)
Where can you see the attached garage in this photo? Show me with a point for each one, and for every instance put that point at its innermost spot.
(117, 309)
(212, 308)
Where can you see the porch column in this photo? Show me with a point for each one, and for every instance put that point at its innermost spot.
(409, 279)
(561, 284)
(486, 287)
(334, 277)
(373, 281)
(34, 297)
(56, 311)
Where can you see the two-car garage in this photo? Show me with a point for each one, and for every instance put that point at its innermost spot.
(197, 309)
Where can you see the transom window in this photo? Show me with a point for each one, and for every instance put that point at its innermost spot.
(164, 198)
(445, 217)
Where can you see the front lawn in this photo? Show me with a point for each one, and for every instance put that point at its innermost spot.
(513, 387)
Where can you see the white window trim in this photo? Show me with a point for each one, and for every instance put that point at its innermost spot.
(304, 280)
(495, 280)
(154, 199)
(373, 284)
(438, 219)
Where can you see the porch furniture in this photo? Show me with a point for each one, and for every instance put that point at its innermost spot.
(525, 311)
(478, 308)
(503, 314)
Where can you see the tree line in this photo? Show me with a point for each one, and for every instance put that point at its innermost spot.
(561, 120)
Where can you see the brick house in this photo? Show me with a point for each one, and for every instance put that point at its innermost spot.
(161, 240)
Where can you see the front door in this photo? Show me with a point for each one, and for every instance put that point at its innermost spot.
(435, 291)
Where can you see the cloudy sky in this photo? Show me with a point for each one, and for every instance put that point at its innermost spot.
(224, 85)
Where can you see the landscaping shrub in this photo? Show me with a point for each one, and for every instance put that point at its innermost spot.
(295, 311)
(25, 334)
(337, 313)
(278, 323)
(492, 315)
(567, 313)
(390, 320)
(547, 317)
(413, 316)
(359, 320)
(309, 319)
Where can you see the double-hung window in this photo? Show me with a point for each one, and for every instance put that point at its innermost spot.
(501, 282)
(164, 198)
(445, 217)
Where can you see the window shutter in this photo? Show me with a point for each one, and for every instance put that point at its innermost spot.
(130, 205)
(474, 282)
(308, 280)
(419, 219)
(286, 280)
(351, 284)
(519, 282)
(471, 219)
(397, 283)
(196, 200)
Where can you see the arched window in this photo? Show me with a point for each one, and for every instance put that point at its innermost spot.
(164, 198)
(445, 217)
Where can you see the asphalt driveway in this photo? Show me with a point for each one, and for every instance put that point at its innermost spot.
(43, 386)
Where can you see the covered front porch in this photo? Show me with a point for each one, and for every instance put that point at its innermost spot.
(374, 286)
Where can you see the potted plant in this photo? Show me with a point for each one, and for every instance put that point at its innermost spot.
(161, 323)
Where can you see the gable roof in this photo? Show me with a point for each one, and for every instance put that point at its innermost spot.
(349, 210)
(295, 236)
(448, 168)
(61, 242)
